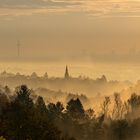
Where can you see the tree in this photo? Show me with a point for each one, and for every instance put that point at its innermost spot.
(4, 100)
(40, 105)
(119, 110)
(34, 75)
(119, 130)
(18, 115)
(59, 107)
(90, 113)
(23, 96)
(55, 110)
(134, 101)
(105, 106)
(75, 109)
(7, 90)
(45, 76)
(22, 121)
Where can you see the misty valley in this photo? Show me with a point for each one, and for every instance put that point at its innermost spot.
(69, 69)
(36, 107)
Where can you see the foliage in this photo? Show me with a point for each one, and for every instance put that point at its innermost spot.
(22, 118)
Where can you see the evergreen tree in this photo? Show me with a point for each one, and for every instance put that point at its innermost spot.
(23, 96)
(40, 105)
(75, 109)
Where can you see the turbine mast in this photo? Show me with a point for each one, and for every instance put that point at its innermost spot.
(18, 48)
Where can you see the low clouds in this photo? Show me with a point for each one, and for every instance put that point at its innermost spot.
(107, 8)
(13, 8)
(104, 8)
(20, 3)
(34, 3)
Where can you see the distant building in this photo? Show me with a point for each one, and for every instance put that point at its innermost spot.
(67, 76)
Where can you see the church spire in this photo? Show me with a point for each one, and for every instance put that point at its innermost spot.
(67, 73)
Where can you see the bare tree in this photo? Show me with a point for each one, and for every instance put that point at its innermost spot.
(105, 106)
(120, 109)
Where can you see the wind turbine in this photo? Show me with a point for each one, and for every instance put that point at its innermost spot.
(18, 47)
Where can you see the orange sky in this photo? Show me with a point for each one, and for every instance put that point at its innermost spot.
(77, 29)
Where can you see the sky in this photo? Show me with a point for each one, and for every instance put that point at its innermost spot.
(70, 30)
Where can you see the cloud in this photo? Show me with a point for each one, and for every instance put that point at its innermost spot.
(34, 3)
(100, 8)
(114, 8)
(13, 8)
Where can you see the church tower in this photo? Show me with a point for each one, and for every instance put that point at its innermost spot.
(67, 73)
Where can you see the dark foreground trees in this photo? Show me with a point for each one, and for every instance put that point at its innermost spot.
(22, 118)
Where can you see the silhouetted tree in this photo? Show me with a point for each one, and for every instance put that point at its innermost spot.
(119, 130)
(45, 76)
(23, 119)
(23, 96)
(105, 106)
(134, 104)
(134, 101)
(75, 109)
(90, 113)
(7, 90)
(119, 109)
(55, 110)
(40, 105)
(3, 102)
(34, 75)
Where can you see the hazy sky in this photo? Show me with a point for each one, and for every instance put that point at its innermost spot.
(53, 30)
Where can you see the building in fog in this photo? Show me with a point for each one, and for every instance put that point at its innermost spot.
(67, 76)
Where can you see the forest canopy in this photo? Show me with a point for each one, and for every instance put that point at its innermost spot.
(25, 118)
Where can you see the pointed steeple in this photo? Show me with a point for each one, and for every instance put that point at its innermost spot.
(67, 73)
